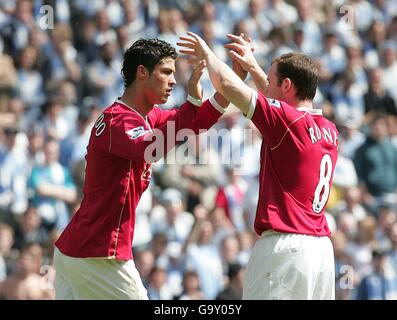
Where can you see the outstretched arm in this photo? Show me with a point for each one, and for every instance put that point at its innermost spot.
(224, 80)
(195, 96)
(195, 89)
(241, 53)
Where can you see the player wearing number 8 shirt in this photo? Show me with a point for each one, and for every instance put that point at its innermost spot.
(293, 258)
(93, 256)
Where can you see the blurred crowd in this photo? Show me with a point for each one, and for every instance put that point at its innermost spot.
(194, 228)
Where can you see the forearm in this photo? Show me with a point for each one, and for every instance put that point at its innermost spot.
(58, 192)
(259, 77)
(227, 83)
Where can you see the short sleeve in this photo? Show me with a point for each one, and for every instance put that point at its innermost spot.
(269, 116)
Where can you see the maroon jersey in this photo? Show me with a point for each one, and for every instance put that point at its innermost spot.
(298, 157)
(117, 174)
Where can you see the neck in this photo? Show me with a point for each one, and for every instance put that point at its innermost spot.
(301, 103)
(134, 98)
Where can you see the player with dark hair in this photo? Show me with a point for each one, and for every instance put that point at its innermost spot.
(93, 256)
(293, 258)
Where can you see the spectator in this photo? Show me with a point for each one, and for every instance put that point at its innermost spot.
(62, 63)
(222, 225)
(332, 60)
(203, 257)
(343, 263)
(351, 137)
(381, 284)
(393, 252)
(32, 94)
(195, 173)
(74, 146)
(246, 240)
(389, 59)
(282, 13)
(376, 39)
(158, 288)
(20, 118)
(30, 231)
(104, 74)
(67, 96)
(361, 249)
(312, 34)
(377, 99)
(234, 288)
(229, 250)
(230, 197)
(134, 23)
(85, 42)
(8, 80)
(346, 97)
(386, 218)
(54, 124)
(351, 204)
(13, 179)
(376, 165)
(35, 148)
(191, 287)
(257, 21)
(18, 27)
(174, 222)
(278, 42)
(26, 283)
(53, 189)
(142, 222)
(6, 252)
(144, 260)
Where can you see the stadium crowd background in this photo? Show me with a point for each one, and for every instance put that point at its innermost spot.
(194, 229)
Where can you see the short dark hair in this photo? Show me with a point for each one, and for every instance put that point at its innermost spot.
(233, 270)
(146, 52)
(302, 71)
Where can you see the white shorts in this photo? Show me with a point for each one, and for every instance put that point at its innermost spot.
(286, 266)
(96, 279)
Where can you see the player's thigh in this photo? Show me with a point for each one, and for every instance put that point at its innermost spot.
(325, 281)
(278, 269)
(104, 279)
(63, 288)
(257, 275)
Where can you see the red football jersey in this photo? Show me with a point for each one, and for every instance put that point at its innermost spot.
(298, 157)
(117, 175)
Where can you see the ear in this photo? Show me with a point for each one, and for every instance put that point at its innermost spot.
(142, 72)
(288, 86)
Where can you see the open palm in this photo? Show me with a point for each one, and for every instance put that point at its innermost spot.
(194, 45)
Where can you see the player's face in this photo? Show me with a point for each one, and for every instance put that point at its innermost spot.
(273, 89)
(161, 81)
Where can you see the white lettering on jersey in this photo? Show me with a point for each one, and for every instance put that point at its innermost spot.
(274, 102)
(317, 134)
(137, 132)
(327, 135)
(312, 136)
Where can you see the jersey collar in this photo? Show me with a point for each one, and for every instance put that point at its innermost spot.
(118, 100)
(311, 111)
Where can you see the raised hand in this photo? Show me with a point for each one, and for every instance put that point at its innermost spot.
(194, 87)
(194, 46)
(240, 51)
